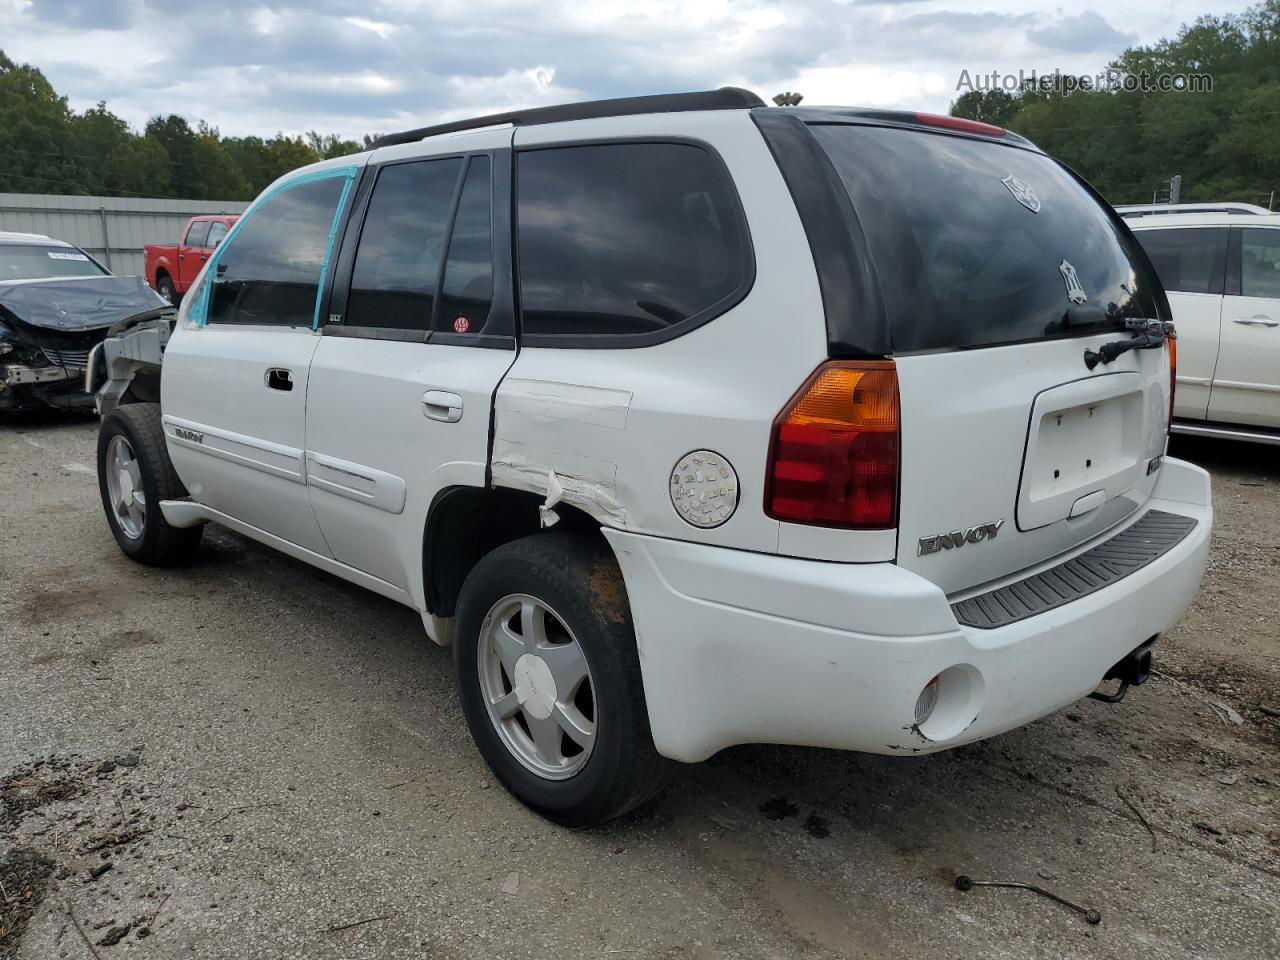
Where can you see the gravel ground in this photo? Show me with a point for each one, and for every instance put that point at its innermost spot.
(249, 758)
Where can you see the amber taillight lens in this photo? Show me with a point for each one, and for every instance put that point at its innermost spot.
(1171, 342)
(833, 460)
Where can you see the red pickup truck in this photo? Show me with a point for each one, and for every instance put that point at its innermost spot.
(173, 267)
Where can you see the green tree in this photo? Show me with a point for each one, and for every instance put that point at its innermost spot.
(1223, 141)
(987, 106)
(330, 145)
(35, 134)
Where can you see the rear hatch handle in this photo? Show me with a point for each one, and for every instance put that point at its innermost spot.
(1152, 337)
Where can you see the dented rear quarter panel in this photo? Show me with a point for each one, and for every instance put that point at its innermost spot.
(613, 423)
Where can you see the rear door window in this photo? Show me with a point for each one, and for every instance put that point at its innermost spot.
(217, 231)
(270, 271)
(626, 240)
(1187, 260)
(1260, 263)
(467, 291)
(977, 243)
(401, 250)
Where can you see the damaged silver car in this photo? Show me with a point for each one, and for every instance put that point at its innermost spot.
(57, 304)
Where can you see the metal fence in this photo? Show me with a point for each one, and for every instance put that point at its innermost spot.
(113, 229)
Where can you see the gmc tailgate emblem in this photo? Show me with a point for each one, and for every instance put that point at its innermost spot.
(958, 538)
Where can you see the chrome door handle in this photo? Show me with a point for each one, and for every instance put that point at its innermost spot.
(440, 405)
(1257, 321)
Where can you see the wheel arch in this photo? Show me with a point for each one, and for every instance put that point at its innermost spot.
(464, 523)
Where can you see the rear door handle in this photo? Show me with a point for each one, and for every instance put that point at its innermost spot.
(1257, 321)
(278, 378)
(441, 405)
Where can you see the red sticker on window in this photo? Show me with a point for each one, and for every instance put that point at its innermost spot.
(461, 325)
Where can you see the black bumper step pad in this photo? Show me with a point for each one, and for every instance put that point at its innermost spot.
(1128, 551)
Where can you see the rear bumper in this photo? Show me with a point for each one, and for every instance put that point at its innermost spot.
(739, 647)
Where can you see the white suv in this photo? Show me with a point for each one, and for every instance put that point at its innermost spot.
(848, 426)
(1220, 264)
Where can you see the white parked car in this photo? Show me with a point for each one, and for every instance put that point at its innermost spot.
(689, 422)
(1220, 264)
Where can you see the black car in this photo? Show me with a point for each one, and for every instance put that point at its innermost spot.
(56, 304)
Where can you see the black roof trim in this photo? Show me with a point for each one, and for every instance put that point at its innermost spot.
(726, 98)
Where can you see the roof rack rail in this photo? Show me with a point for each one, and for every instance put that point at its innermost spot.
(726, 98)
(1230, 206)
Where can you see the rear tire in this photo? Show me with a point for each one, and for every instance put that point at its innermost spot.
(567, 733)
(166, 289)
(134, 475)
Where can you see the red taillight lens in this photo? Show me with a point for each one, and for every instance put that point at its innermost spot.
(834, 456)
(1171, 343)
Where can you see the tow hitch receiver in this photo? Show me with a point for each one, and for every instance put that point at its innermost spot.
(1133, 671)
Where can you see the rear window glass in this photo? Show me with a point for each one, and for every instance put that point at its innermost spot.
(977, 243)
(21, 262)
(1188, 261)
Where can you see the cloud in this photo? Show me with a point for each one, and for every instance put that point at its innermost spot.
(89, 14)
(1083, 33)
(357, 66)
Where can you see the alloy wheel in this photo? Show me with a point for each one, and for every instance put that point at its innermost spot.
(537, 686)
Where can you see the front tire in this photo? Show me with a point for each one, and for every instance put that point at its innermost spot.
(549, 679)
(134, 475)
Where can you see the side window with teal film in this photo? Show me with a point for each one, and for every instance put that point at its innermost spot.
(270, 269)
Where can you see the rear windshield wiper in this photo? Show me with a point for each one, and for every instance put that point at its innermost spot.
(1152, 335)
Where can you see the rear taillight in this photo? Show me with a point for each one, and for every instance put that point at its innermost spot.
(833, 460)
(1171, 344)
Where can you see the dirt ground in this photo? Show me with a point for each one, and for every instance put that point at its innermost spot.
(251, 759)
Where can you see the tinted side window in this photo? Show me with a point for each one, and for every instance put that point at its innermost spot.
(269, 272)
(1260, 263)
(397, 266)
(468, 274)
(626, 238)
(198, 233)
(1188, 261)
(217, 230)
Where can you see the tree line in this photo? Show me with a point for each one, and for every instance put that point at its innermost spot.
(1224, 141)
(46, 147)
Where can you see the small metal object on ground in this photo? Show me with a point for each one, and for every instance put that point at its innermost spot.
(968, 883)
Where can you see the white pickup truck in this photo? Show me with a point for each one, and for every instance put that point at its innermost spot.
(688, 422)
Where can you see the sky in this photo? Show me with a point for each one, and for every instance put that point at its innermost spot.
(375, 66)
